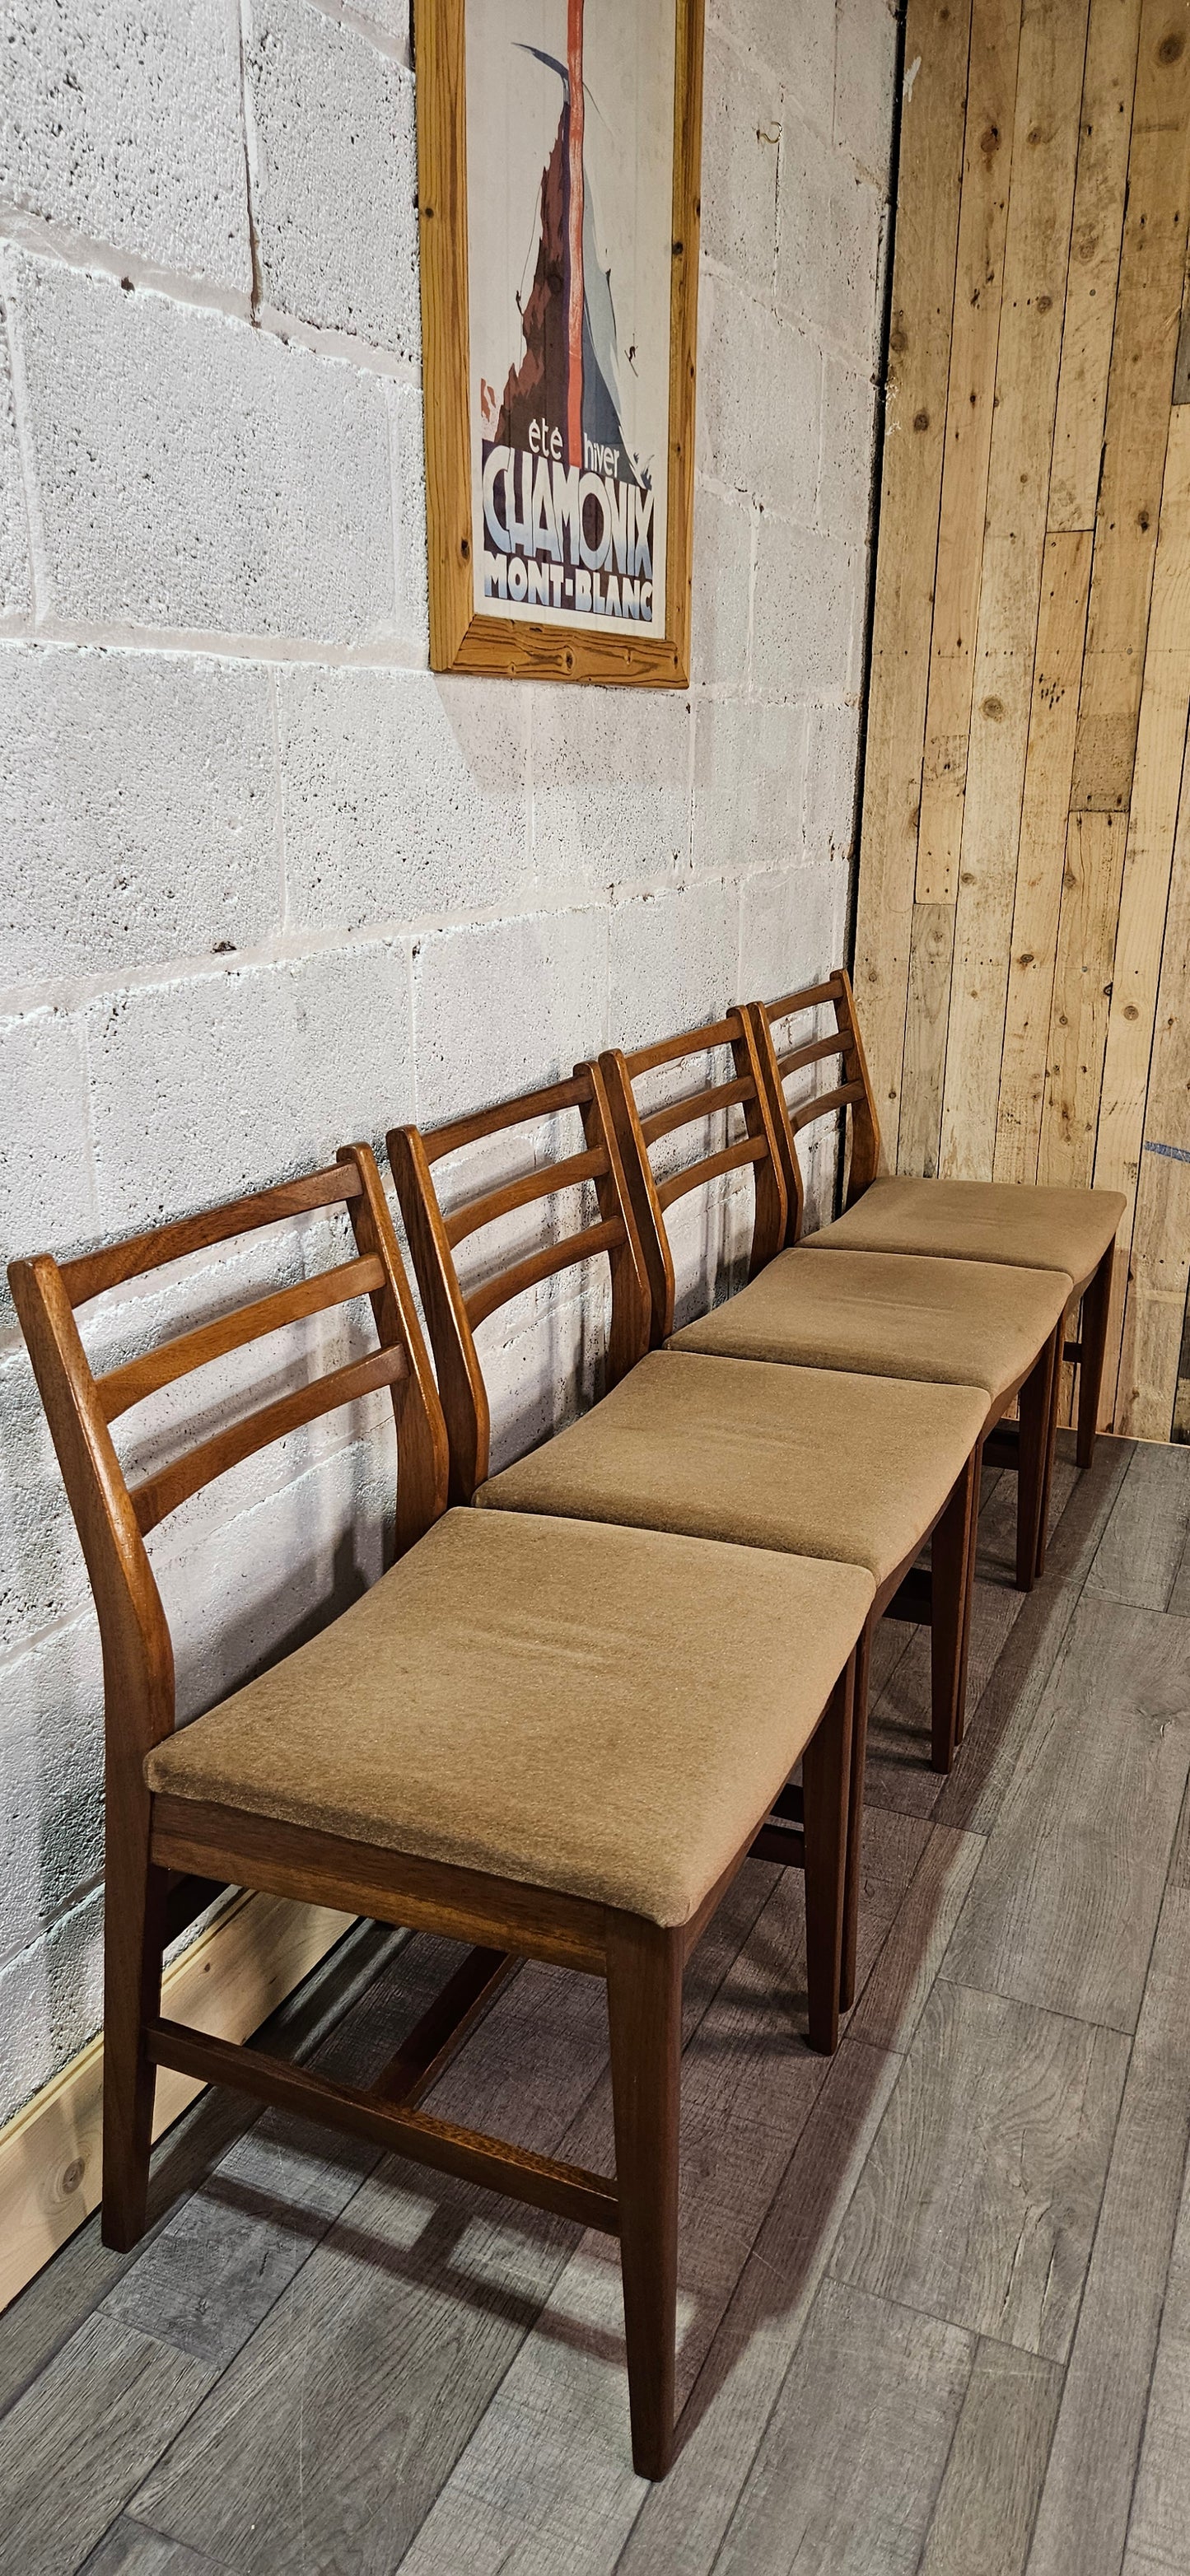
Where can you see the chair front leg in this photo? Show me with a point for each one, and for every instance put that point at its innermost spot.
(951, 1568)
(1036, 1409)
(644, 2005)
(855, 1816)
(1093, 1345)
(134, 1941)
(826, 1784)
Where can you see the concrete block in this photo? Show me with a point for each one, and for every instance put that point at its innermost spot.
(334, 175)
(137, 809)
(403, 404)
(42, 1574)
(722, 601)
(402, 799)
(865, 71)
(807, 606)
(387, 18)
(828, 829)
(766, 445)
(121, 119)
(221, 1082)
(828, 257)
(740, 142)
(749, 772)
(15, 592)
(505, 1007)
(794, 40)
(47, 1191)
(611, 785)
(51, 1780)
(674, 960)
(848, 424)
(51, 2002)
(792, 927)
(195, 473)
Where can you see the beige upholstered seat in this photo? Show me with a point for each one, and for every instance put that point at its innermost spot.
(814, 1461)
(1032, 1229)
(577, 1707)
(955, 1323)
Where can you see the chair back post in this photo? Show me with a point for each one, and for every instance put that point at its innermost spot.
(461, 1390)
(423, 1455)
(865, 1125)
(453, 1316)
(770, 1073)
(619, 1072)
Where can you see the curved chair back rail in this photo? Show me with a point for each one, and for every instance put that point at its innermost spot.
(853, 1096)
(454, 1315)
(637, 1131)
(114, 1516)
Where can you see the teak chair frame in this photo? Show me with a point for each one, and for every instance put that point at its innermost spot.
(169, 1857)
(941, 1596)
(642, 1253)
(855, 1099)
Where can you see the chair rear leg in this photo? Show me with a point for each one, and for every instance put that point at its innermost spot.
(855, 1816)
(826, 1794)
(951, 1565)
(134, 1940)
(1035, 1408)
(1093, 1343)
(644, 2005)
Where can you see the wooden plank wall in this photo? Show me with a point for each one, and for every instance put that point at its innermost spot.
(1023, 931)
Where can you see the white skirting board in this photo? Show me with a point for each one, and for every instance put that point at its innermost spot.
(227, 1984)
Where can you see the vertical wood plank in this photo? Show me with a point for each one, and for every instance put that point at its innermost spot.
(1099, 199)
(1049, 91)
(1049, 759)
(1082, 992)
(930, 954)
(1148, 863)
(1138, 407)
(1160, 1257)
(936, 41)
(983, 223)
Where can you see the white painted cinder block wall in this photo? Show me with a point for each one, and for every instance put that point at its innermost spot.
(266, 884)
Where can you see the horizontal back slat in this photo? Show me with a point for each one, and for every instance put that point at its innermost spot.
(124, 1387)
(540, 1184)
(814, 1052)
(716, 1033)
(162, 1493)
(542, 1265)
(696, 1104)
(437, 1141)
(823, 1103)
(807, 1000)
(93, 1272)
(750, 1149)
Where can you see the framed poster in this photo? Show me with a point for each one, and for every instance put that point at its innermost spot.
(558, 174)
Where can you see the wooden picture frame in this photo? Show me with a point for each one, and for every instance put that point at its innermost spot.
(616, 647)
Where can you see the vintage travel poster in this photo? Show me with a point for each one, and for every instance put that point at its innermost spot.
(570, 184)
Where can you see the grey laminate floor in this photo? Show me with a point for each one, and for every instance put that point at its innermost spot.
(935, 2308)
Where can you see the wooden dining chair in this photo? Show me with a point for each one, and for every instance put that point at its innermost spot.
(842, 1468)
(893, 1315)
(548, 1740)
(1025, 1225)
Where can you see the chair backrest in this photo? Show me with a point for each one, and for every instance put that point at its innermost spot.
(638, 1131)
(114, 1517)
(453, 1316)
(779, 1065)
